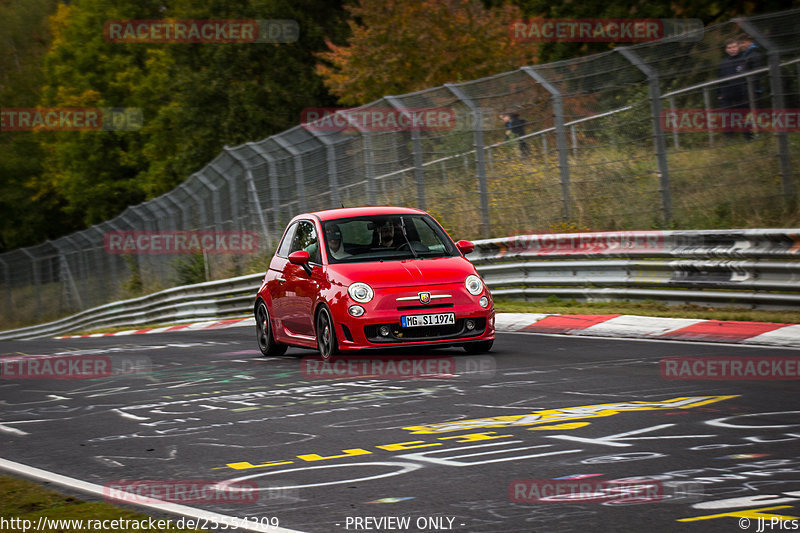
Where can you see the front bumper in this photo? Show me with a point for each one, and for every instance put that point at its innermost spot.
(472, 322)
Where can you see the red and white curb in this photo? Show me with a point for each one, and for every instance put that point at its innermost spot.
(209, 324)
(627, 326)
(645, 327)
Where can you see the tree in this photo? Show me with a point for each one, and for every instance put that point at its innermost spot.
(398, 46)
(195, 98)
(28, 216)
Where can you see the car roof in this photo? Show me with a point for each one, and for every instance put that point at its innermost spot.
(347, 212)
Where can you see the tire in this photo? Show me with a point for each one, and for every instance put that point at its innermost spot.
(266, 341)
(479, 347)
(326, 335)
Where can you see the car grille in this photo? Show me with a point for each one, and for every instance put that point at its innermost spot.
(400, 334)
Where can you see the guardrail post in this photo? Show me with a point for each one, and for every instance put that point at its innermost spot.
(778, 103)
(416, 143)
(658, 131)
(298, 171)
(480, 161)
(561, 138)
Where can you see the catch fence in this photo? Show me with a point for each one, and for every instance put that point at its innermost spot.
(596, 154)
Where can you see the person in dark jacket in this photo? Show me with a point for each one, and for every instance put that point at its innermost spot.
(732, 93)
(515, 128)
(751, 58)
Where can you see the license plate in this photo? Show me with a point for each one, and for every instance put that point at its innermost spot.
(438, 319)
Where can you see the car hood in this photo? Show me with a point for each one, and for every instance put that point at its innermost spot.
(405, 273)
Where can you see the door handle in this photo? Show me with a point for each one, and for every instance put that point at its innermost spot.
(281, 279)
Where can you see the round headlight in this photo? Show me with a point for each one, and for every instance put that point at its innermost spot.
(474, 284)
(360, 292)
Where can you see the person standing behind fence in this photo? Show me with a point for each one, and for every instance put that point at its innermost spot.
(515, 130)
(732, 94)
(752, 59)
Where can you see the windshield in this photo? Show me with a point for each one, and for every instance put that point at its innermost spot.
(386, 238)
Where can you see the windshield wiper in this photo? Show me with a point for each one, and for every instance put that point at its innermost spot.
(403, 230)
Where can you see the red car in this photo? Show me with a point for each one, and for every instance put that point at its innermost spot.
(371, 277)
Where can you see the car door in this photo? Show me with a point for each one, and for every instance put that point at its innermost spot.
(300, 287)
(276, 280)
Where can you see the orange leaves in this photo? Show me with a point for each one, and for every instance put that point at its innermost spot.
(398, 47)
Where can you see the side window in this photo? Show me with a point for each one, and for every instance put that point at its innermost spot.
(283, 249)
(305, 238)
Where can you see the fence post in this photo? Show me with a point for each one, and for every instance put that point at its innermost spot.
(707, 105)
(369, 160)
(7, 283)
(232, 195)
(251, 187)
(204, 216)
(214, 199)
(658, 131)
(416, 143)
(561, 138)
(674, 130)
(298, 170)
(275, 194)
(66, 274)
(778, 102)
(480, 161)
(330, 155)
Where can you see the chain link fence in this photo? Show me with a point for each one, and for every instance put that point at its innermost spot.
(595, 154)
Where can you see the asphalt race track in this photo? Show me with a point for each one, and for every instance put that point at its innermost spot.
(527, 438)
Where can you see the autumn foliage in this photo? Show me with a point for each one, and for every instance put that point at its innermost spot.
(397, 47)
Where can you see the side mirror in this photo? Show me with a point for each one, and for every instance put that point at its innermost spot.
(464, 247)
(301, 257)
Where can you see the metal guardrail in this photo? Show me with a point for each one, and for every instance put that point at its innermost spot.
(752, 267)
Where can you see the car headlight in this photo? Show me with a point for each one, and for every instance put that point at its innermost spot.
(360, 292)
(474, 284)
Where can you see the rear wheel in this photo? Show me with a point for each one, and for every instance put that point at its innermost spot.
(266, 341)
(479, 346)
(326, 335)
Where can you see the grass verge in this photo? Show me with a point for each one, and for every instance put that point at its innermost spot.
(24, 502)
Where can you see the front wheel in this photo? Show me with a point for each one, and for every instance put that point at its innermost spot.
(326, 335)
(266, 341)
(479, 346)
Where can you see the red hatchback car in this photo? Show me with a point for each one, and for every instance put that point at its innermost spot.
(371, 277)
